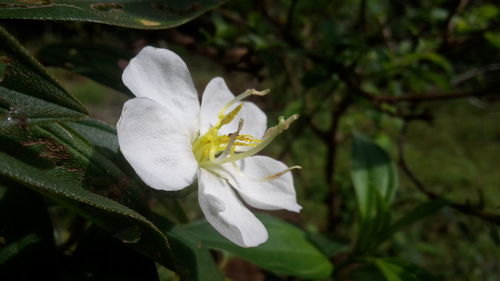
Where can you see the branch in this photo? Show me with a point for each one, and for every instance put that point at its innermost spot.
(463, 208)
(333, 200)
(416, 98)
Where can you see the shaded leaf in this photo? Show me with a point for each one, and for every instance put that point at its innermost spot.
(421, 211)
(103, 64)
(192, 258)
(26, 234)
(20, 110)
(56, 161)
(23, 74)
(287, 251)
(327, 246)
(373, 174)
(399, 270)
(375, 182)
(147, 14)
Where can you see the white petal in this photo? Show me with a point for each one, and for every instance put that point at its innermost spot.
(155, 145)
(215, 96)
(162, 76)
(226, 213)
(249, 175)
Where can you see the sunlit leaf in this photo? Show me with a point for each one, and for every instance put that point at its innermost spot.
(287, 250)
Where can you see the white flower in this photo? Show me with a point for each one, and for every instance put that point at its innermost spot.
(170, 140)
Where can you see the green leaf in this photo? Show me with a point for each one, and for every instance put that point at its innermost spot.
(399, 270)
(192, 258)
(373, 174)
(327, 246)
(104, 64)
(20, 110)
(287, 250)
(23, 74)
(56, 161)
(421, 211)
(375, 182)
(147, 14)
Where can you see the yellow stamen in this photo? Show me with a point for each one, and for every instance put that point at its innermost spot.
(279, 174)
(212, 149)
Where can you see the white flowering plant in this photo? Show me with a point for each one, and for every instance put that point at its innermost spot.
(171, 140)
(124, 154)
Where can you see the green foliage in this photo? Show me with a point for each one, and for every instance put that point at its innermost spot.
(22, 73)
(375, 182)
(287, 250)
(385, 68)
(151, 14)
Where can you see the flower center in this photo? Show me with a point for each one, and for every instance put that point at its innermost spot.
(213, 149)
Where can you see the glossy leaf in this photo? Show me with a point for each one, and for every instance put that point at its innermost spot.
(23, 74)
(20, 110)
(373, 174)
(148, 14)
(104, 64)
(287, 250)
(375, 182)
(56, 161)
(192, 258)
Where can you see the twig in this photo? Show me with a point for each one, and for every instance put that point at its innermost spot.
(362, 16)
(463, 208)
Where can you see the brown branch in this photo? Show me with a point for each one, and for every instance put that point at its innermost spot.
(463, 208)
(362, 16)
(333, 199)
(416, 98)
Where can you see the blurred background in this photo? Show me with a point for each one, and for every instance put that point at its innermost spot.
(418, 78)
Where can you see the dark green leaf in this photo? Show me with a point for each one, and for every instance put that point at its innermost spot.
(193, 260)
(329, 247)
(23, 74)
(373, 174)
(20, 110)
(287, 250)
(421, 211)
(56, 161)
(103, 64)
(148, 14)
(375, 182)
(399, 270)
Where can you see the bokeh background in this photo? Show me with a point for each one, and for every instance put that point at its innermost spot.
(419, 78)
